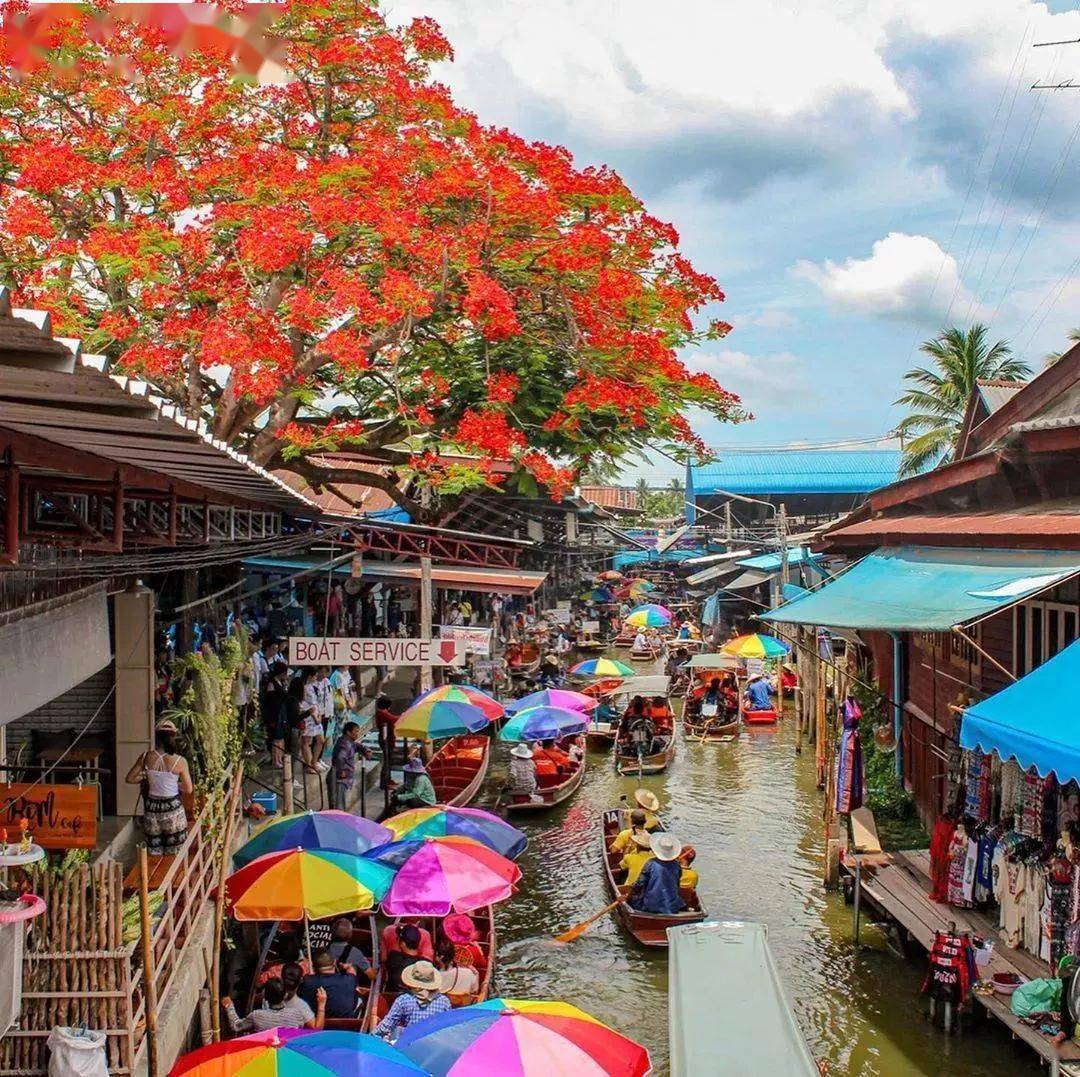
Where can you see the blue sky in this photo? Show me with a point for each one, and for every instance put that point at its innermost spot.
(855, 173)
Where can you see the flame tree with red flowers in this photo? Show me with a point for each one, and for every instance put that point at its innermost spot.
(344, 259)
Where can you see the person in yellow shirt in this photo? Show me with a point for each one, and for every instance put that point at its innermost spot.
(636, 859)
(623, 839)
(688, 880)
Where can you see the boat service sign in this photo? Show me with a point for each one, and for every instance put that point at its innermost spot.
(351, 651)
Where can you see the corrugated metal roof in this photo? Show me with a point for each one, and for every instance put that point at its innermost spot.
(993, 525)
(797, 471)
(611, 497)
(51, 389)
(996, 393)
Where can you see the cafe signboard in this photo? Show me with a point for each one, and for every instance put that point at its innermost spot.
(56, 816)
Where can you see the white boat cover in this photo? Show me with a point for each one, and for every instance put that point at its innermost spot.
(656, 685)
(727, 1012)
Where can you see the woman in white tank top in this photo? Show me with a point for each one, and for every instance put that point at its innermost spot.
(166, 775)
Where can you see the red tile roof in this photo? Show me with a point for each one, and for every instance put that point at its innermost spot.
(612, 497)
(1025, 529)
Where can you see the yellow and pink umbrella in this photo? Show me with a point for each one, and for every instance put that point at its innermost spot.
(756, 646)
(649, 616)
(301, 884)
(523, 1037)
(602, 667)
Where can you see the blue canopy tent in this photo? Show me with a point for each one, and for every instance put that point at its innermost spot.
(927, 589)
(1033, 720)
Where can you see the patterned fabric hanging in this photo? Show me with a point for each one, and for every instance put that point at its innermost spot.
(849, 760)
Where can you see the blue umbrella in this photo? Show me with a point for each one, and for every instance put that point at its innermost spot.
(544, 723)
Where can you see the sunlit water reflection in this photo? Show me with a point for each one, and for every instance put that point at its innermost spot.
(752, 810)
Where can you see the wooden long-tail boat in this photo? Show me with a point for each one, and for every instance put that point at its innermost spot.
(719, 727)
(381, 999)
(363, 938)
(458, 768)
(522, 658)
(550, 794)
(655, 763)
(647, 929)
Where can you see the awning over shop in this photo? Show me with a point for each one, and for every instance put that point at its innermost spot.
(444, 577)
(926, 589)
(770, 562)
(749, 578)
(1031, 720)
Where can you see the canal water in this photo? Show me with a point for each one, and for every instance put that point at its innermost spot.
(752, 810)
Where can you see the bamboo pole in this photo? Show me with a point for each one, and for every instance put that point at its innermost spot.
(149, 972)
(219, 904)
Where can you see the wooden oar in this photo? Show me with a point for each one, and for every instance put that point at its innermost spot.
(579, 929)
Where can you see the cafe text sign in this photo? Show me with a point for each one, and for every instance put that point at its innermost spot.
(57, 816)
(350, 651)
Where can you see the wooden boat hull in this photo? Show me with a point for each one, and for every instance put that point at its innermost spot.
(458, 769)
(552, 795)
(649, 764)
(600, 739)
(768, 717)
(646, 929)
(591, 646)
(709, 732)
(381, 1000)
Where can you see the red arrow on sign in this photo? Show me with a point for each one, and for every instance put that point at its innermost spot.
(448, 650)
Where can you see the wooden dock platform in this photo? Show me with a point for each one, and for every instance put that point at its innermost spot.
(901, 890)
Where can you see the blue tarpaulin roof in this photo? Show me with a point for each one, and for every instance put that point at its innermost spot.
(926, 589)
(795, 471)
(770, 562)
(1033, 720)
(626, 558)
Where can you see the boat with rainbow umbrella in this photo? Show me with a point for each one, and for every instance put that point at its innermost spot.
(523, 1037)
(756, 645)
(602, 667)
(457, 713)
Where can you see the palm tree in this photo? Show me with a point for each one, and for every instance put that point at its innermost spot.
(1053, 357)
(939, 394)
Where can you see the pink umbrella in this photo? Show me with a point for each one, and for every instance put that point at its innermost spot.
(554, 697)
(437, 876)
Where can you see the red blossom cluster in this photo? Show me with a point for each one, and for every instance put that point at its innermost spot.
(348, 233)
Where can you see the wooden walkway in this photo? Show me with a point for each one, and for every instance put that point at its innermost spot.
(901, 890)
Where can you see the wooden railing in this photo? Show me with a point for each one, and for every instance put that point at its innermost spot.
(185, 889)
(79, 970)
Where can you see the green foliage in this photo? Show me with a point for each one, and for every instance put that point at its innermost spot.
(205, 713)
(893, 806)
(938, 395)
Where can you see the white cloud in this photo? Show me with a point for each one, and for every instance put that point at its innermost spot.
(768, 318)
(767, 383)
(906, 277)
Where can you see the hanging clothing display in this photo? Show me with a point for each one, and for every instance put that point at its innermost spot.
(849, 759)
(977, 787)
(951, 971)
(961, 877)
(1012, 779)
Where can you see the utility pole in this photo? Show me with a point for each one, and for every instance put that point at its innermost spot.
(728, 538)
(425, 595)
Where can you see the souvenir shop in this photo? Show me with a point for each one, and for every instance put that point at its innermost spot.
(1011, 837)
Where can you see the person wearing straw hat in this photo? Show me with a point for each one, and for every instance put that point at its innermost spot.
(649, 803)
(521, 784)
(418, 791)
(423, 998)
(657, 888)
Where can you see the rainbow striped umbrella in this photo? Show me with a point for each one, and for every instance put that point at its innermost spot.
(437, 876)
(649, 616)
(302, 884)
(756, 646)
(554, 697)
(313, 830)
(298, 1052)
(544, 723)
(524, 1038)
(610, 574)
(440, 822)
(450, 710)
(602, 667)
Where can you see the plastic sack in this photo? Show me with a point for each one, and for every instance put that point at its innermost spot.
(709, 710)
(1036, 996)
(77, 1054)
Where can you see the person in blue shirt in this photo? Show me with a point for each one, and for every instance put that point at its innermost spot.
(342, 986)
(657, 888)
(759, 694)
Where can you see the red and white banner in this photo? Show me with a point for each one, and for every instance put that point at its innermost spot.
(351, 651)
